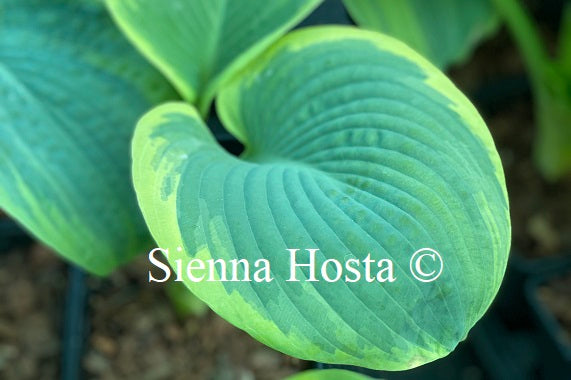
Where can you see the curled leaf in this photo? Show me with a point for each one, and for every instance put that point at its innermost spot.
(369, 149)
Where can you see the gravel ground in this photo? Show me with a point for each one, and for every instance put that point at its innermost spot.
(134, 332)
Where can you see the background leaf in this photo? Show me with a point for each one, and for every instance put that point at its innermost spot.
(198, 44)
(368, 149)
(444, 31)
(564, 48)
(551, 82)
(552, 144)
(72, 89)
(328, 374)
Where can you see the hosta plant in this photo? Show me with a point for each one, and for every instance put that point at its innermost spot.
(356, 145)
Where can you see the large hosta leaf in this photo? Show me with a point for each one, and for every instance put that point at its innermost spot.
(354, 145)
(444, 31)
(71, 91)
(198, 44)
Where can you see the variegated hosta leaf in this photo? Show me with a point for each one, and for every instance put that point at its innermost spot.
(328, 374)
(444, 31)
(71, 91)
(354, 145)
(198, 44)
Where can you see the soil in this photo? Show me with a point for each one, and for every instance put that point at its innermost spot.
(556, 296)
(134, 334)
(32, 285)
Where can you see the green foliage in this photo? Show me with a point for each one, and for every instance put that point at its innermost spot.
(185, 303)
(368, 149)
(199, 44)
(551, 81)
(553, 117)
(355, 144)
(564, 57)
(444, 31)
(328, 374)
(72, 90)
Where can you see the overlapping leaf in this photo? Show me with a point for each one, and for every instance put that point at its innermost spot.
(328, 374)
(444, 31)
(71, 90)
(198, 44)
(368, 149)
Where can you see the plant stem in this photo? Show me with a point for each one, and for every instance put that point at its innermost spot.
(552, 144)
(527, 37)
(184, 301)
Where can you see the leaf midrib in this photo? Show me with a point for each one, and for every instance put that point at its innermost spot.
(207, 74)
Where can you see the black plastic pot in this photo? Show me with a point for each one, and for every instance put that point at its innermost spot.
(511, 303)
(504, 353)
(555, 349)
(506, 339)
